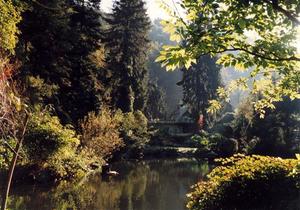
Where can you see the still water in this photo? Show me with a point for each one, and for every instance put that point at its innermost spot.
(146, 185)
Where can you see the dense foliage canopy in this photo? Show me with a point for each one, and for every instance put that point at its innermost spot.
(256, 35)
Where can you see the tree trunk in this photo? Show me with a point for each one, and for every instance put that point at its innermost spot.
(13, 165)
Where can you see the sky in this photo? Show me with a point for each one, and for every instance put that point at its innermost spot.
(154, 9)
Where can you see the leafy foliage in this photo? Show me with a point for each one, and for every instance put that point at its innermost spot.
(100, 135)
(10, 16)
(50, 145)
(259, 35)
(276, 134)
(134, 131)
(46, 138)
(61, 48)
(246, 182)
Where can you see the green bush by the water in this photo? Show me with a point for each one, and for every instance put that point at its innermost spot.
(134, 132)
(52, 146)
(104, 134)
(245, 182)
(46, 138)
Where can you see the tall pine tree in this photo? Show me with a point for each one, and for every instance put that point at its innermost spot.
(128, 44)
(200, 85)
(57, 40)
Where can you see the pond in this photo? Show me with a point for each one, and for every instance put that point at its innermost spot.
(146, 185)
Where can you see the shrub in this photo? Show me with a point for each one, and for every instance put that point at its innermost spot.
(46, 138)
(5, 153)
(134, 131)
(49, 144)
(207, 141)
(105, 133)
(100, 134)
(275, 134)
(243, 182)
(134, 128)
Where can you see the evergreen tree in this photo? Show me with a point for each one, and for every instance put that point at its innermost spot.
(127, 42)
(166, 80)
(199, 85)
(57, 40)
(156, 104)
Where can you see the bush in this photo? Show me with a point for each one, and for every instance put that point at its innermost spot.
(134, 128)
(107, 132)
(207, 141)
(100, 133)
(134, 131)
(203, 141)
(246, 182)
(274, 135)
(46, 138)
(49, 144)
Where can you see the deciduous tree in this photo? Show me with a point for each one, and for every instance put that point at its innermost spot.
(259, 35)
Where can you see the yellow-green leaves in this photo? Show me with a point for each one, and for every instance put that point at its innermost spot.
(9, 18)
(214, 106)
(256, 37)
(240, 177)
(172, 58)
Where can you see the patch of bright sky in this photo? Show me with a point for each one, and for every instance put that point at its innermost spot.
(156, 12)
(153, 7)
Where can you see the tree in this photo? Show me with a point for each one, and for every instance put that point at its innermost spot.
(276, 134)
(56, 46)
(156, 103)
(127, 42)
(199, 85)
(165, 80)
(259, 35)
(11, 129)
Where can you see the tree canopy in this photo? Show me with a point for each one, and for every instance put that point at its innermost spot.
(9, 17)
(245, 34)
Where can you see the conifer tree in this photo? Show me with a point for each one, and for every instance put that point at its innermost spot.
(156, 104)
(200, 85)
(56, 42)
(128, 44)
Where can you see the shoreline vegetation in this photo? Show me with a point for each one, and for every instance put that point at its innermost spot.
(248, 182)
(92, 88)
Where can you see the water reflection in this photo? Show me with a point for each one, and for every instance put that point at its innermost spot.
(147, 185)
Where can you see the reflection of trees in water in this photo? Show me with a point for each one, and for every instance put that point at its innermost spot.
(148, 185)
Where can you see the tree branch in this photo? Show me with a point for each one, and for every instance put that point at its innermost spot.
(288, 14)
(9, 147)
(292, 58)
(13, 164)
(233, 49)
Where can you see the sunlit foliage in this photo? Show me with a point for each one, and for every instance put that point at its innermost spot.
(244, 182)
(100, 133)
(9, 18)
(256, 35)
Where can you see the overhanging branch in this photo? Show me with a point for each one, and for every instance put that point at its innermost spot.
(288, 14)
(233, 49)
